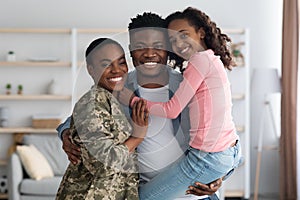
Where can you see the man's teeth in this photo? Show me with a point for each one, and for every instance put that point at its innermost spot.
(116, 79)
(184, 50)
(150, 64)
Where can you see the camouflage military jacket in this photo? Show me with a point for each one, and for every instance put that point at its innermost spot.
(107, 169)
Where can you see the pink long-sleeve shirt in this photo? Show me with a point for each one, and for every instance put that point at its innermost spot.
(206, 90)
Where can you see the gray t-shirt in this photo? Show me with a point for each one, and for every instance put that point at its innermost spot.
(160, 148)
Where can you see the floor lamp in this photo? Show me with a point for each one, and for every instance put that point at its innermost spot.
(265, 81)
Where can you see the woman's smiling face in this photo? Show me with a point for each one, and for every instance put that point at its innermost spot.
(109, 68)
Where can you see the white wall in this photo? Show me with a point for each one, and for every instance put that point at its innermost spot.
(263, 18)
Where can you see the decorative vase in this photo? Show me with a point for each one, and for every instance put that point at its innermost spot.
(53, 87)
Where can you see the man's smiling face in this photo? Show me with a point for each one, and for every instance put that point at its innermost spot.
(148, 51)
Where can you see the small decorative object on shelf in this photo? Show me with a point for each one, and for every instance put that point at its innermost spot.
(3, 185)
(3, 116)
(237, 54)
(45, 120)
(8, 88)
(11, 56)
(20, 89)
(53, 87)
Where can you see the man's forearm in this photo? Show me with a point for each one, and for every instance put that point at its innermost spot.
(65, 125)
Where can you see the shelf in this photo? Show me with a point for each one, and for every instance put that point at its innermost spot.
(238, 96)
(35, 97)
(239, 64)
(234, 193)
(3, 196)
(269, 147)
(234, 31)
(60, 31)
(34, 30)
(10, 130)
(101, 30)
(35, 64)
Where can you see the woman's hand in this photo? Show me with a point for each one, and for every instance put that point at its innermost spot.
(125, 96)
(140, 117)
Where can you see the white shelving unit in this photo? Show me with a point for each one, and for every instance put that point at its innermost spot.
(34, 75)
(238, 185)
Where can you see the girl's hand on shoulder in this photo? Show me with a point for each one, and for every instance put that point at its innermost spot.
(140, 118)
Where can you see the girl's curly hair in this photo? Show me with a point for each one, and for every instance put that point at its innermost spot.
(214, 39)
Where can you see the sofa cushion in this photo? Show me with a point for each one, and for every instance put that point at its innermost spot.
(35, 164)
(47, 186)
(51, 147)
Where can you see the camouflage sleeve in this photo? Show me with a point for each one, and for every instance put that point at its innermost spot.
(102, 128)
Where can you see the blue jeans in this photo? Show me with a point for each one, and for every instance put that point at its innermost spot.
(213, 197)
(198, 166)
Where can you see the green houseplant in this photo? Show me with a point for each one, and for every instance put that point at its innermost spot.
(8, 88)
(20, 89)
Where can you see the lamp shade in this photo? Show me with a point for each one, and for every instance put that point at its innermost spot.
(265, 81)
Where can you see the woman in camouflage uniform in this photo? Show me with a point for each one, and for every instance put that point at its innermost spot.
(108, 167)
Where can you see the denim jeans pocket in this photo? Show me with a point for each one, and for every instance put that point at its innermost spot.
(238, 159)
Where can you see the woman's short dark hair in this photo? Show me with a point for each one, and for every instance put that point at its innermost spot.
(96, 44)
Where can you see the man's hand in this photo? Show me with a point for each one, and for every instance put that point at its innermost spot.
(200, 189)
(72, 150)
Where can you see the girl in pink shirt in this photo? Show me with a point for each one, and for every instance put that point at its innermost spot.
(214, 147)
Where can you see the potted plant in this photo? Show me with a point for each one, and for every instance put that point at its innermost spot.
(11, 56)
(238, 57)
(8, 88)
(20, 89)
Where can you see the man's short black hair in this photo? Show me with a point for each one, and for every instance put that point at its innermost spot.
(147, 19)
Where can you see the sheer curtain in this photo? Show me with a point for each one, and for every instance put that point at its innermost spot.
(288, 147)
